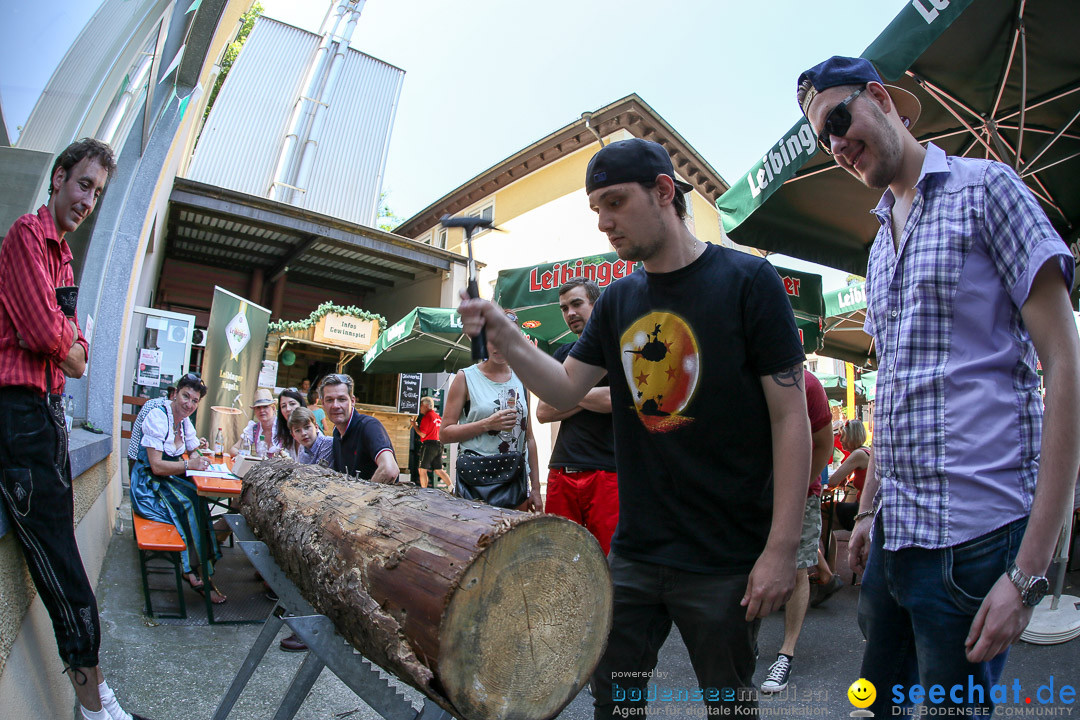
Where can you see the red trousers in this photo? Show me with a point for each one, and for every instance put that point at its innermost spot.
(589, 498)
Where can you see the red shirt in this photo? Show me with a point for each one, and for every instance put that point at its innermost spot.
(34, 261)
(817, 408)
(429, 426)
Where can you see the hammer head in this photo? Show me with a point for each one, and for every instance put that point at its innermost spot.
(469, 223)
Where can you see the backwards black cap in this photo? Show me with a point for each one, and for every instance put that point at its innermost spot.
(633, 160)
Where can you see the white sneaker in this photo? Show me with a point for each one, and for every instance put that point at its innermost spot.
(777, 677)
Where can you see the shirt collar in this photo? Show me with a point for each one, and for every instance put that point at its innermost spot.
(934, 162)
(48, 227)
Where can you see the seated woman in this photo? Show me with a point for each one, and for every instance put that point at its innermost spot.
(160, 489)
(288, 401)
(262, 432)
(853, 438)
(314, 447)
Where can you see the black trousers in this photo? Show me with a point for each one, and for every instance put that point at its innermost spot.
(37, 491)
(647, 599)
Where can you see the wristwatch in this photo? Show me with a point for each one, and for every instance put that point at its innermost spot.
(1032, 589)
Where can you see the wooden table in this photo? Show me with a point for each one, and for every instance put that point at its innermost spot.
(217, 491)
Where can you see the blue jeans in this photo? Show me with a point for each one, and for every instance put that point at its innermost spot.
(915, 611)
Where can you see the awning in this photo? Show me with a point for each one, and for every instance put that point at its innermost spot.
(996, 79)
(425, 340)
(224, 228)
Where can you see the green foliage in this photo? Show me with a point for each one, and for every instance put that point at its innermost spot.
(322, 311)
(386, 220)
(233, 50)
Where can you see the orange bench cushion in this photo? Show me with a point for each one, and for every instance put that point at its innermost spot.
(153, 535)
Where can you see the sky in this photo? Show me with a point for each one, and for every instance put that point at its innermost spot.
(486, 78)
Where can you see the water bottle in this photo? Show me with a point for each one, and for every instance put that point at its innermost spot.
(245, 445)
(69, 411)
(262, 445)
(219, 443)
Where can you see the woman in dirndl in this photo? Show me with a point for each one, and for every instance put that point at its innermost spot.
(161, 490)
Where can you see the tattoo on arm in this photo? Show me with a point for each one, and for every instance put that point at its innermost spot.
(792, 377)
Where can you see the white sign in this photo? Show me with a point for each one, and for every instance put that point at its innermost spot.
(268, 374)
(347, 331)
(149, 372)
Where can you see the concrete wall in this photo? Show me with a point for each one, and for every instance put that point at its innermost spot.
(31, 681)
(24, 175)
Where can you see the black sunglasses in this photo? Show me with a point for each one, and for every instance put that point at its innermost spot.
(336, 379)
(837, 122)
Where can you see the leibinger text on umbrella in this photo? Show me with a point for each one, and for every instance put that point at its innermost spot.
(602, 273)
(784, 153)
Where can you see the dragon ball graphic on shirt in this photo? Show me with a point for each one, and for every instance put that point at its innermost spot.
(662, 363)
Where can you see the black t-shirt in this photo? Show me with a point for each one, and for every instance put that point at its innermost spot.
(364, 439)
(685, 352)
(586, 440)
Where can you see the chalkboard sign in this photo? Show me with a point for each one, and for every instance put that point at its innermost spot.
(409, 393)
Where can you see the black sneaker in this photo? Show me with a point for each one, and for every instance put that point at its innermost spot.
(777, 677)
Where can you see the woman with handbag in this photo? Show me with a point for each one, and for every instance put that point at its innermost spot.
(487, 414)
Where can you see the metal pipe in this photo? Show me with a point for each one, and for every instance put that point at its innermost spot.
(281, 188)
(119, 109)
(309, 148)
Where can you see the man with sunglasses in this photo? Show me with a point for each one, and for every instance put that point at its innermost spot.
(362, 447)
(963, 500)
(41, 345)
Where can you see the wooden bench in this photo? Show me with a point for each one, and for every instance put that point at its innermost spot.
(159, 540)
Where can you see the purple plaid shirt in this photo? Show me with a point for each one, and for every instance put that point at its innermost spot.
(958, 421)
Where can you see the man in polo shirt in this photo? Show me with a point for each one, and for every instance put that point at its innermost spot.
(966, 280)
(582, 484)
(40, 345)
(361, 445)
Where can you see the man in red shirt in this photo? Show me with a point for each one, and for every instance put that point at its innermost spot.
(40, 345)
(431, 454)
(817, 408)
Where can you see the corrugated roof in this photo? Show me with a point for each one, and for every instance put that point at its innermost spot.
(243, 136)
(223, 228)
(88, 78)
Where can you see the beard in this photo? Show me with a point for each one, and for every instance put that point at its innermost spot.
(888, 150)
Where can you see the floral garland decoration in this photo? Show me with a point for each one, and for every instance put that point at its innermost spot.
(322, 311)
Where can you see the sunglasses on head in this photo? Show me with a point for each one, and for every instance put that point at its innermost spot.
(837, 122)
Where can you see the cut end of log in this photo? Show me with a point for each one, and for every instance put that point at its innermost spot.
(527, 623)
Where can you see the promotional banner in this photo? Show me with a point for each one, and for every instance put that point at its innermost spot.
(235, 344)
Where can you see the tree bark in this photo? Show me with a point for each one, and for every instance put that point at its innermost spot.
(491, 613)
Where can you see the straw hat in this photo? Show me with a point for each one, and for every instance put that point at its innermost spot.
(263, 396)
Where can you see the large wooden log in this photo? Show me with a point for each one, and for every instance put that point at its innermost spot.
(491, 613)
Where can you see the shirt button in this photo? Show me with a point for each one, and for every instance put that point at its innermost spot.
(894, 313)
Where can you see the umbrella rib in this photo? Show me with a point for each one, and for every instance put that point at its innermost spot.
(1039, 102)
(1038, 131)
(938, 93)
(811, 173)
(1023, 89)
(1046, 146)
(929, 87)
(1017, 37)
(1028, 173)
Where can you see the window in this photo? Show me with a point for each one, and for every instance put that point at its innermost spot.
(442, 238)
(425, 238)
(486, 212)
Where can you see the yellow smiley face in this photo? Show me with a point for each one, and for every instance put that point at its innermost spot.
(862, 693)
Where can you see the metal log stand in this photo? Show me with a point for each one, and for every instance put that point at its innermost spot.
(325, 648)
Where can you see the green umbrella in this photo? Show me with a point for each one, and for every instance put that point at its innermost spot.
(532, 293)
(425, 340)
(982, 71)
(845, 339)
(836, 387)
